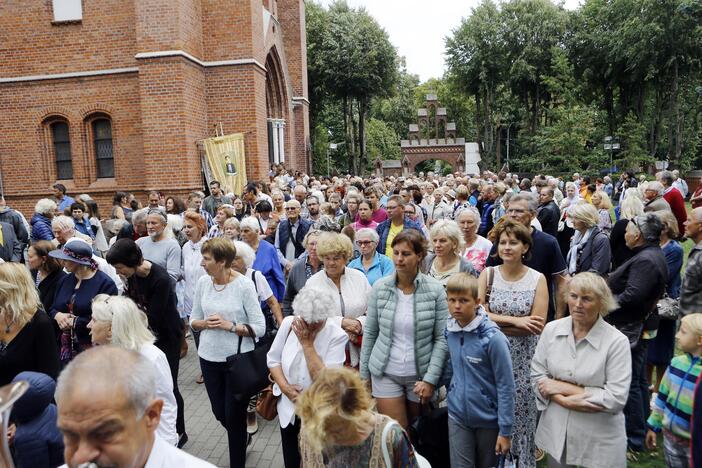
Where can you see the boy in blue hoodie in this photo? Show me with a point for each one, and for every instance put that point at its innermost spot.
(481, 392)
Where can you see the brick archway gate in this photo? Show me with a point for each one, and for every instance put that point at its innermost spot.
(452, 154)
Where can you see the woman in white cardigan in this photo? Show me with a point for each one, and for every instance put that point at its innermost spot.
(580, 374)
(305, 344)
(349, 287)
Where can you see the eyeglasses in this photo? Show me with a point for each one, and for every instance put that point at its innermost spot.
(515, 211)
(290, 208)
(366, 242)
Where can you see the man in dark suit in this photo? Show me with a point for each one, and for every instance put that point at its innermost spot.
(548, 212)
(10, 246)
(290, 234)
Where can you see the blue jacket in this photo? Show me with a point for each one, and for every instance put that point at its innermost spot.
(84, 227)
(267, 263)
(41, 228)
(38, 442)
(382, 266)
(383, 230)
(481, 392)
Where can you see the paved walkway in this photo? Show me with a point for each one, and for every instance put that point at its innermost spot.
(207, 438)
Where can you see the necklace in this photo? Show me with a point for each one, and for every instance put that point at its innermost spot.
(214, 285)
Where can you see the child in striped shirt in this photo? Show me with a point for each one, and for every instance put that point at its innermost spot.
(672, 408)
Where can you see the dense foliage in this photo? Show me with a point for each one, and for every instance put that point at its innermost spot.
(528, 75)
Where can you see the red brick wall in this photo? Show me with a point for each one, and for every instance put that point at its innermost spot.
(159, 112)
(31, 45)
(27, 158)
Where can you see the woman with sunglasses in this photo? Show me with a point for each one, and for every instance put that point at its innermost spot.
(372, 263)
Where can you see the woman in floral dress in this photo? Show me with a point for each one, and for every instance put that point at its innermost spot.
(517, 300)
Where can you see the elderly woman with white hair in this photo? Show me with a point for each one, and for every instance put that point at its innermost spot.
(266, 260)
(589, 246)
(653, 197)
(243, 263)
(476, 247)
(371, 263)
(119, 321)
(41, 220)
(447, 240)
(306, 343)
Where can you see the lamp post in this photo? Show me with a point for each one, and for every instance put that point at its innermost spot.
(611, 143)
(332, 146)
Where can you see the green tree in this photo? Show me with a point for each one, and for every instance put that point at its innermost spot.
(353, 62)
(383, 142)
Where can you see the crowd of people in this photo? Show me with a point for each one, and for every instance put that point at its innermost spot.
(532, 317)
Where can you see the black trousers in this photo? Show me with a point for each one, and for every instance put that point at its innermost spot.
(291, 450)
(229, 411)
(172, 352)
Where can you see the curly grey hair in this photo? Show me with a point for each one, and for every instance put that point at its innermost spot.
(244, 251)
(45, 206)
(314, 306)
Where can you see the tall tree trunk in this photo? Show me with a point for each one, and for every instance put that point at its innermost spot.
(362, 111)
(656, 119)
(609, 105)
(498, 145)
(676, 126)
(479, 126)
(349, 128)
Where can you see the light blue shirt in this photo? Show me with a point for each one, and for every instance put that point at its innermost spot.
(382, 266)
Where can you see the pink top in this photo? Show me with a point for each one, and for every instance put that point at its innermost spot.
(379, 215)
(477, 253)
(360, 225)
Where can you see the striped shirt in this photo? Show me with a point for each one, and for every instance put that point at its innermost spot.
(672, 408)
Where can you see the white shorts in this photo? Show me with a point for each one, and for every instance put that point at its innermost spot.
(390, 386)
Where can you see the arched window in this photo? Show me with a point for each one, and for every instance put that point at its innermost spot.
(102, 140)
(61, 139)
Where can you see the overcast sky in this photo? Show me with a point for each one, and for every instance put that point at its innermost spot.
(417, 28)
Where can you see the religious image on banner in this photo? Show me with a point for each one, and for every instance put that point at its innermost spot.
(229, 166)
(226, 161)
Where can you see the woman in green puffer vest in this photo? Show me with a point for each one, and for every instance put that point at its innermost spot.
(404, 349)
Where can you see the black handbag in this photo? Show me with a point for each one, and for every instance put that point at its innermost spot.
(248, 372)
(429, 435)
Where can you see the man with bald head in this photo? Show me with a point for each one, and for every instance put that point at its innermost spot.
(290, 234)
(691, 290)
(108, 413)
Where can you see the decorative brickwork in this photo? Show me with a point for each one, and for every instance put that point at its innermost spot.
(165, 73)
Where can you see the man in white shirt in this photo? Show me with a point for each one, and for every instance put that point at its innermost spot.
(108, 413)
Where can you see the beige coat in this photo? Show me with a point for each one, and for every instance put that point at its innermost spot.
(600, 362)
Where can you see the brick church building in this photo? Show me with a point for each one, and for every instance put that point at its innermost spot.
(116, 94)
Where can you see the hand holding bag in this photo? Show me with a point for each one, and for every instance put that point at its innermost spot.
(267, 403)
(248, 371)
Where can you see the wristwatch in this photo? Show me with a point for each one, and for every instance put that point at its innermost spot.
(233, 330)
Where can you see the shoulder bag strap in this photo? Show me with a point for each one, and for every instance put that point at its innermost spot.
(488, 290)
(384, 443)
(297, 245)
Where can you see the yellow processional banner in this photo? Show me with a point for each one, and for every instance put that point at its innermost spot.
(227, 161)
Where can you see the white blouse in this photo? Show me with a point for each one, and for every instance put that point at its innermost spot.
(286, 352)
(601, 363)
(166, 429)
(402, 360)
(355, 290)
(191, 271)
